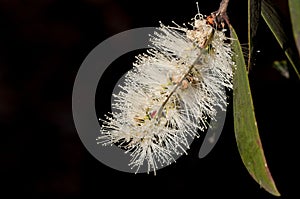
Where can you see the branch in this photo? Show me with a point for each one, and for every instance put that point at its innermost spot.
(220, 16)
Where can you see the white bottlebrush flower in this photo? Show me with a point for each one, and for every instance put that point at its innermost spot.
(170, 93)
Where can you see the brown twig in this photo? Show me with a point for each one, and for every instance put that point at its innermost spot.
(223, 7)
(220, 16)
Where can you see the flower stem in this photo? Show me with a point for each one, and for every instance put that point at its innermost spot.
(172, 92)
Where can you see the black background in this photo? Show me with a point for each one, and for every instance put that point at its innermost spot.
(42, 45)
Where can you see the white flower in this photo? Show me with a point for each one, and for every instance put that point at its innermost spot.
(170, 93)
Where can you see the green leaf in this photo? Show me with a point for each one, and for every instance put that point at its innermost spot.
(294, 6)
(281, 32)
(254, 8)
(245, 127)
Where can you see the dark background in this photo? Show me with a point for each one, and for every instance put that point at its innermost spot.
(42, 45)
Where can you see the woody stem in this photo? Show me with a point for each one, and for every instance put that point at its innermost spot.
(223, 7)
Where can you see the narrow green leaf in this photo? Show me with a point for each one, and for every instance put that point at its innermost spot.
(254, 7)
(245, 127)
(294, 6)
(281, 32)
